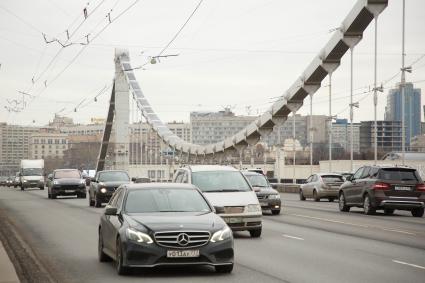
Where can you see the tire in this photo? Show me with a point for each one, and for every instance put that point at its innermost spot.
(22, 188)
(224, 268)
(418, 212)
(255, 233)
(368, 208)
(83, 195)
(97, 202)
(121, 269)
(276, 212)
(53, 196)
(101, 255)
(342, 204)
(389, 211)
(315, 196)
(91, 202)
(331, 199)
(41, 188)
(49, 195)
(302, 197)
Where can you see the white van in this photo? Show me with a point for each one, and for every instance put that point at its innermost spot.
(229, 192)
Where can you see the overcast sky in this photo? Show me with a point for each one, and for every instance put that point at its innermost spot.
(237, 53)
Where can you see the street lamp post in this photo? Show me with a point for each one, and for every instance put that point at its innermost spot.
(330, 122)
(403, 81)
(293, 147)
(311, 129)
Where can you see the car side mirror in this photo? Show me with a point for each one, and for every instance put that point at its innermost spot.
(349, 178)
(110, 210)
(133, 179)
(93, 179)
(219, 209)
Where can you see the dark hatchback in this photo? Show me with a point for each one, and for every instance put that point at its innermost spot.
(104, 184)
(160, 224)
(386, 188)
(66, 182)
(268, 197)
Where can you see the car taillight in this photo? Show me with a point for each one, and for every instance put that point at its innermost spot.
(420, 187)
(381, 186)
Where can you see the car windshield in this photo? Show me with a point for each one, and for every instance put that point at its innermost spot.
(115, 176)
(67, 174)
(220, 181)
(32, 172)
(332, 178)
(165, 200)
(398, 174)
(257, 181)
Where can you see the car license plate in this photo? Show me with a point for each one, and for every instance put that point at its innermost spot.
(397, 188)
(264, 204)
(184, 253)
(69, 191)
(232, 220)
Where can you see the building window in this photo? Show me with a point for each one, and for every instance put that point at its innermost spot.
(49, 141)
(63, 141)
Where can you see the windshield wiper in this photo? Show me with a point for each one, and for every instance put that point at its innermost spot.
(174, 211)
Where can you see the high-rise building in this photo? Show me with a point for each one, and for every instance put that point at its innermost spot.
(14, 146)
(341, 134)
(412, 110)
(45, 144)
(389, 136)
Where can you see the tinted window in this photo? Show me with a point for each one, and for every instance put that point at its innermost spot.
(220, 181)
(398, 174)
(165, 200)
(113, 176)
(67, 174)
(32, 172)
(258, 181)
(332, 178)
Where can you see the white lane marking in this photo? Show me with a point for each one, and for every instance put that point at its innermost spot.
(352, 224)
(293, 237)
(409, 264)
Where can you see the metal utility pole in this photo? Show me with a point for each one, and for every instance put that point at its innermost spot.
(330, 122)
(311, 134)
(375, 95)
(351, 111)
(402, 85)
(293, 147)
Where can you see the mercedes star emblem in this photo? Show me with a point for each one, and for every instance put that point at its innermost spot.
(183, 239)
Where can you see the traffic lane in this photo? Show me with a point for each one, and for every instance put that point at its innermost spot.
(304, 254)
(65, 237)
(400, 216)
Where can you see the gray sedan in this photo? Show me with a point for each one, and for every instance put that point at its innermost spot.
(321, 185)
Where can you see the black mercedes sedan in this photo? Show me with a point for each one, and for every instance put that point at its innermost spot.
(157, 224)
(66, 182)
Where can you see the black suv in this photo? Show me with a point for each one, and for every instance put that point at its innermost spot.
(384, 187)
(104, 184)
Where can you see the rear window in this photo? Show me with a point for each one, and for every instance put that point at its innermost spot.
(398, 174)
(332, 178)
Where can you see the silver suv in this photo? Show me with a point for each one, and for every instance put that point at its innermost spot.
(229, 192)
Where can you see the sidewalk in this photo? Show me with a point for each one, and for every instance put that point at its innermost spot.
(7, 271)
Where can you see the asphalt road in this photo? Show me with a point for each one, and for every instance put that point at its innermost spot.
(307, 242)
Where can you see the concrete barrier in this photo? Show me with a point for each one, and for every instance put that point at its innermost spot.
(286, 188)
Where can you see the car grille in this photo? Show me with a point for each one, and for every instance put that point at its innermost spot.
(262, 196)
(182, 239)
(234, 209)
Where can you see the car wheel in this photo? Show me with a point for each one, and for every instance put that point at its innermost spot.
(368, 208)
(302, 197)
(41, 188)
(255, 233)
(22, 188)
(49, 195)
(91, 202)
(342, 205)
(418, 212)
(121, 269)
(276, 212)
(102, 256)
(53, 196)
(388, 211)
(315, 196)
(224, 268)
(331, 199)
(97, 202)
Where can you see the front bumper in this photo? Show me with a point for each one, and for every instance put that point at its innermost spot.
(270, 204)
(242, 222)
(30, 184)
(68, 190)
(151, 255)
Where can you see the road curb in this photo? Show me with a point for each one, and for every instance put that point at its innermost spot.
(7, 270)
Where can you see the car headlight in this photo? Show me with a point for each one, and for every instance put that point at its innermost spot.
(221, 235)
(55, 182)
(274, 196)
(138, 236)
(24, 181)
(103, 190)
(253, 208)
